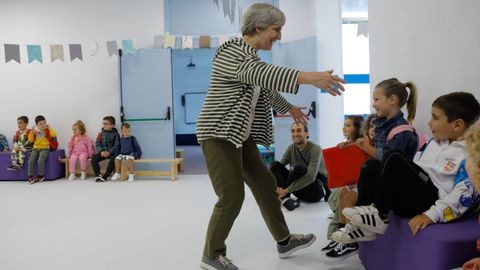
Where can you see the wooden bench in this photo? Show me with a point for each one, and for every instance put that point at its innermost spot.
(173, 173)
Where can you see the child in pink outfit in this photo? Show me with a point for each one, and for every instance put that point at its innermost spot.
(80, 148)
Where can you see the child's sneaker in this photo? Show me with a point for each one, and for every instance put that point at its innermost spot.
(14, 167)
(366, 217)
(330, 246)
(83, 175)
(291, 204)
(39, 178)
(99, 179)
(31, 180)
(218, 263)
(116, 176)
(131, 177)
(351, 234)
(71, 177)
(342, 251)
(296, 242)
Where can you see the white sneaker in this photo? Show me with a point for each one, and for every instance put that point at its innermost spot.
(83, 175)
(71, 177)
(366, 217)
(131, 178)
(115, 177)
(352, 234)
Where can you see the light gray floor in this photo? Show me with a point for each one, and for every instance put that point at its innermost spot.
(147, 224)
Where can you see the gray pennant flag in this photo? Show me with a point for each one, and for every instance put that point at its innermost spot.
(226, 7)
(240, 16)
(112, 48)
(233, 10)
(215, 2)
(158, 42)
(12, 52)
(362, 29)
(56, 52)
(76, 52)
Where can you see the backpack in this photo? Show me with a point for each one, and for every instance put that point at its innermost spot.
(422, 139)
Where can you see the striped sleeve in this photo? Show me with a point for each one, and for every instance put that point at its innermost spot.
(253, 71)
(279, 103)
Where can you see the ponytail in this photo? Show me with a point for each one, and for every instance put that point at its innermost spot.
(411, 102)
(394, 87)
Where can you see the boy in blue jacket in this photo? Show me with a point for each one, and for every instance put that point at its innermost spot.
(106, 147)
(129, 150)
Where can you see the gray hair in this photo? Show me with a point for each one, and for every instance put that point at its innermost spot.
(261, 16)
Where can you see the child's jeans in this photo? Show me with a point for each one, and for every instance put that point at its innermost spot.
(82, 158)
(41, 155)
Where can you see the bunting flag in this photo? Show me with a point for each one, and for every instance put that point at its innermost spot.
(112, 48)
(34, 53)
(187, 42)
(233, 10)
(76, 52)
(158, 42)
(226, 8)
(362, 29)
(12, 52)
(169, 41)
(205, 41)
(240, 16)
(94, 49)
(56, 53)
(127, 46)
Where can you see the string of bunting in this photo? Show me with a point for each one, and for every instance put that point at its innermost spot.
(36, 52)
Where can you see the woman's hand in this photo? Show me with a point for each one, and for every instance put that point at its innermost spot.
(323, 80)
(362, 142)
(298, 115)
(419, 222)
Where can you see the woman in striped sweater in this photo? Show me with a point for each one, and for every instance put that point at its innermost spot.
(235, 117)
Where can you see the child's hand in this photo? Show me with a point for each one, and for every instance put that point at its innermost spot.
(419, 222)
(362, 142)
(343, 145)
(473, 264)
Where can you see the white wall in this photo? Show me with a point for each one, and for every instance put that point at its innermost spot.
(436, 44)
(300, 19)
(329, 56)
(65, 92)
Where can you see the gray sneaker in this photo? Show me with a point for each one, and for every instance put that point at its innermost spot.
(218, 263)
(297, 242)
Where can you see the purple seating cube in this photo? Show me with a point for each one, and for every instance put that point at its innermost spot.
(54, 169)
(437, 247)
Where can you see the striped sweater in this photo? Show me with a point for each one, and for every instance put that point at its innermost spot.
(237, 68)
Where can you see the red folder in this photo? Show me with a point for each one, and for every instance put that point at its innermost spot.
(343, 165)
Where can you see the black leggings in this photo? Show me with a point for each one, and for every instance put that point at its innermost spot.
(396, 184)
(96, 167)
(311, 193)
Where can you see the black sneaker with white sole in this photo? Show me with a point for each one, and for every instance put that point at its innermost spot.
(291, 204)
(296, 242)
(99, 179)
(330, 246)
(342, 251)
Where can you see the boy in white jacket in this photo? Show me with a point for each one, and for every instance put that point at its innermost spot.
(433, 188)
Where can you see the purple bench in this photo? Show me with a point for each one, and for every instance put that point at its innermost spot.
(437, 247)
(54, 169)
